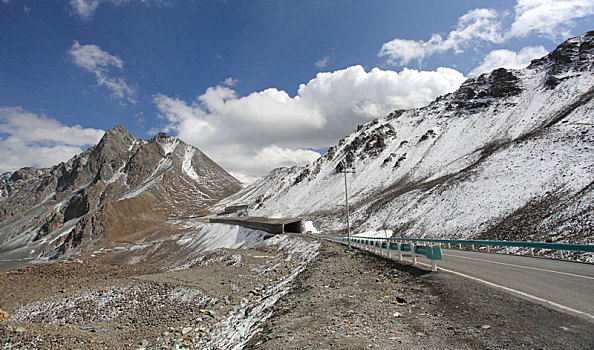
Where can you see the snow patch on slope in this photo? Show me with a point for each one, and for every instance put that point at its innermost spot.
(187, 166)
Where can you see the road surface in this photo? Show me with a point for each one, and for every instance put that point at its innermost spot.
(561, 284)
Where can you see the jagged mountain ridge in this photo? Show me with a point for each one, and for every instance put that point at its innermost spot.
(121, 189)
(506, 156)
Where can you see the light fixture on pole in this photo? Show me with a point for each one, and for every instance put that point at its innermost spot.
(346, 194)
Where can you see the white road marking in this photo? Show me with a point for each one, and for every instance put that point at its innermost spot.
(521, 266)
(526, 295)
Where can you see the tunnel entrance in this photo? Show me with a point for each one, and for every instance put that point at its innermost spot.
(270, 225)
(293, 227)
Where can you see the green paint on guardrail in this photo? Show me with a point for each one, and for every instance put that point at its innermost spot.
(522, 244)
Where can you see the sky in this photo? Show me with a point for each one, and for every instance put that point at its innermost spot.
(254, 84)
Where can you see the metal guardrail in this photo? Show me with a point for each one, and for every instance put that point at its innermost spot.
(383, 247)
(559, 247)
(401, 244)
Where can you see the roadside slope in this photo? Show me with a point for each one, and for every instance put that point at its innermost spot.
(360, 301)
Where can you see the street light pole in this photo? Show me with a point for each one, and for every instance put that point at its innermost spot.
(346, 194)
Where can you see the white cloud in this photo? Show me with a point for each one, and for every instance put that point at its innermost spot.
(474, 26)
(100, 63)
(509, 59)
(552, 18)
(85, 9)
(27, 139)
(230, 82)
(27, 10)
(321, 64)
(250, 135)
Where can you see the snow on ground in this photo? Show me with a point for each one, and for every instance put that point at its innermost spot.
(187, 166)
(375, 234)
(169, 145)
(205, 237)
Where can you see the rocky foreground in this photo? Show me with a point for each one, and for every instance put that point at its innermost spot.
(284, 293)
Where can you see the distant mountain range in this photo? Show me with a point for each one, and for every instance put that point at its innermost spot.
(122, 189)
(509, 155)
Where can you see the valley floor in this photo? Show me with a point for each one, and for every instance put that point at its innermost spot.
(285, 293)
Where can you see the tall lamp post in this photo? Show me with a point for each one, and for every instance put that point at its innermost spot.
(346, 194)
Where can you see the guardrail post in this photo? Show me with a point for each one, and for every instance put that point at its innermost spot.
(399, 252)
(389, 251)
(488, 249)
(413, 256)
(561, 255)
(460, 246)
(506, 250)
(531, 251)
(472, 246)
(433, 265)
(449, 246)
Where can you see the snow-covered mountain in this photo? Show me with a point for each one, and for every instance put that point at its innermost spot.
(120, 190)
(510, 155)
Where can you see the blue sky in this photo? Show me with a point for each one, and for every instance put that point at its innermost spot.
(254, 84)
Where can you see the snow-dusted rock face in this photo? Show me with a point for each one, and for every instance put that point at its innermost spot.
(510, 155)
(119, 187)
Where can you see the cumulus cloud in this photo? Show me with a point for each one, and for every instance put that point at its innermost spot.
(94, 60)
(27, 139)
(474, 26)
(550, 18)
(252, 134)
(321, 64)
(509, 59)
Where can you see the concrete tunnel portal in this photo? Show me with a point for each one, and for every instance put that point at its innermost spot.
(270, 225)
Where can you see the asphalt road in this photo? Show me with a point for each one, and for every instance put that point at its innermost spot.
(560, 284)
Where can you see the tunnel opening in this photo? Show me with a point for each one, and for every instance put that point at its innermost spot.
(294, 227)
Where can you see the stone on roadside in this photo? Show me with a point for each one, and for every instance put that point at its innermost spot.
(3, 316)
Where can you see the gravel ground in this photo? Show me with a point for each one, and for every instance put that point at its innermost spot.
(355, 300)
(285, 293)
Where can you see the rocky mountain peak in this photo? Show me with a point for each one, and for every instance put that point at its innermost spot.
(163, 176)
(575, 54)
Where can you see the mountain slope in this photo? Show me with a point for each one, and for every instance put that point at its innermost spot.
(117, 191)
(507, 156)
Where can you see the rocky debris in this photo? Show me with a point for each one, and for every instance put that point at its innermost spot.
(3, 316)
(135, 304)
(198, 303)
(427, 135)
